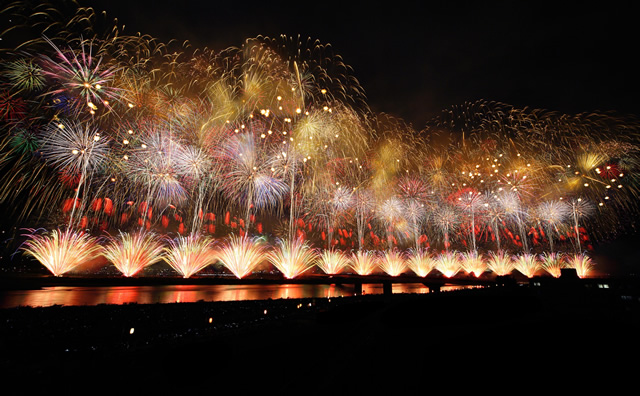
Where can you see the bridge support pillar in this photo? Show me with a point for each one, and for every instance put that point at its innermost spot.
(357, 288)
(387, 288)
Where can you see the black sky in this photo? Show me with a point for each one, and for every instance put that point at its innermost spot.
(416, 58)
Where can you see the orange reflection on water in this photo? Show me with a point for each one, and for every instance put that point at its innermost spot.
(63, 295)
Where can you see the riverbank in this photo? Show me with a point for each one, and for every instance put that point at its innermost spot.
(346, 344)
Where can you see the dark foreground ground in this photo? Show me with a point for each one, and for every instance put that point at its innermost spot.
(504, 339)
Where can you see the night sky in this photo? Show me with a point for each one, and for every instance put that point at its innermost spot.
(415, 59)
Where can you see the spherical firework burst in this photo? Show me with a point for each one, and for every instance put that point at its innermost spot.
(73, 147)
(553, 215)
(24, 75)
(80, 75)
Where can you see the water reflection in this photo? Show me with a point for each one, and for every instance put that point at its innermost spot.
(64, 295)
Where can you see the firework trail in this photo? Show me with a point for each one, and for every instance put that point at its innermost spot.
(471, 202)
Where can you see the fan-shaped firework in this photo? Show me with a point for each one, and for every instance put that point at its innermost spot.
(131, 253)
(473, 263)
(241, 255)
(189, 255)
(363, 262)
(62, 251)
(527, 264)
(500, 263)
(392, 262)
(448, 264)
(292, 257)
(332, 262)
(420, 262)
(582, 264)
(553, 263)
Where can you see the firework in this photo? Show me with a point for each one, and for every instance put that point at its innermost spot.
(80, 75)
(119, 132)
(189, 255)
(24, 75)
(292, 257)
(61, 251)
(553, 263)
(130, 253)
(472, 203)
(332, 262)
(582, 264)
(448, 264)
(250, 174)
(553, 215)
(580, 209)
(421, 262)
(363, 262)
(446, 220)
(241, 255)
(500, 263)
(473, 263)
(392, 262)
(527, 264)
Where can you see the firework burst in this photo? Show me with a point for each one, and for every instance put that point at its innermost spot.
(448, 264)
(62, 251)
(241, 255)
(392, 262)
(292, 257)
(527, 264)
(473, 263)
(332, 262)
(500, 263)
(190, 254)
(131, 253)
(421, 262)
(363, 262)
(553, 263)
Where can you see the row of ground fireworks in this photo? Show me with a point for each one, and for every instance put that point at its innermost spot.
(111, 134)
